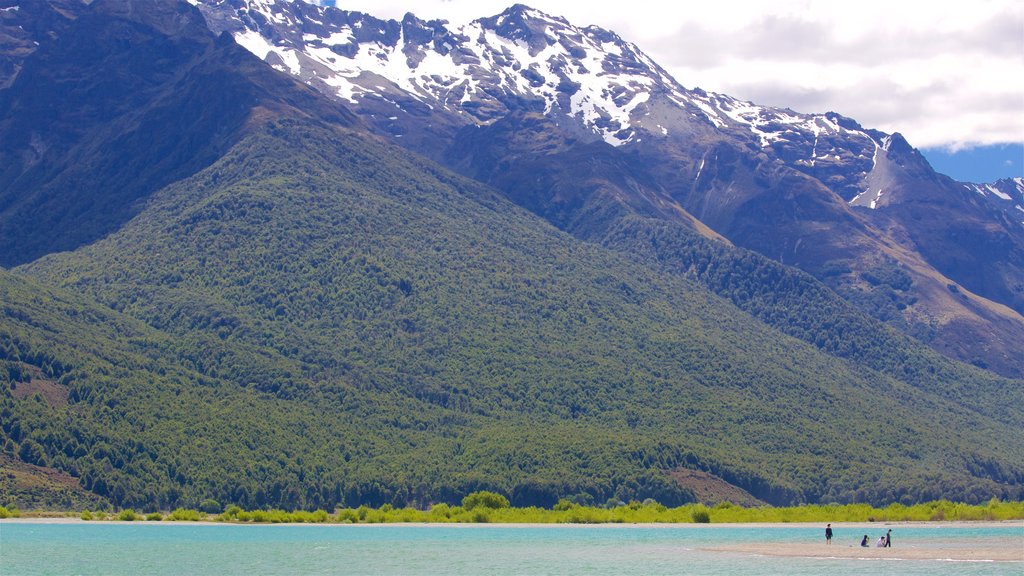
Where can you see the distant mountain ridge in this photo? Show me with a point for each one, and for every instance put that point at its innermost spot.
(1006, 192)
(513, 99)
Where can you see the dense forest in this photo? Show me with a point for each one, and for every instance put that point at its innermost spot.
(318, 320)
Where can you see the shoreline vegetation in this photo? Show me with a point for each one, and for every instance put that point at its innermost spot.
(488, 507)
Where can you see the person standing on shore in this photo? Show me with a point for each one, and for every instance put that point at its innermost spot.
(828, 534)
(888, 538)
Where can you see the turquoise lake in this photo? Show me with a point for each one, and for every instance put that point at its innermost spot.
(151, 548)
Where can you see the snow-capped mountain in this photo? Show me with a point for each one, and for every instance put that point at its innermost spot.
(588, 77)
(581, 127)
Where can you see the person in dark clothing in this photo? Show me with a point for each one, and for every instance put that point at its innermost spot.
(828, 534)
(888, 538)
(864, 542)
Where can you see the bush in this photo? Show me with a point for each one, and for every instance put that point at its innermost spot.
(581, 515)
(484, 499)
(86, 515)
(348, 515)
(186, 515)
(564, 504)
(277, 516)
(127, 515)
(701, 515)
(154, 517)
(210, 506)
(613, 503)
(441, 509)
(4, 512)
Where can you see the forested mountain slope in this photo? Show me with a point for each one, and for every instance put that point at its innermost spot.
(514, 356)
(314, 316)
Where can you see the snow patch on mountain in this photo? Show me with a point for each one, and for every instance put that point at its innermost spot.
(1005, 194)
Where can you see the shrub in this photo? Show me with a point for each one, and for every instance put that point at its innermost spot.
(564, 504)
(581, 515)
(701, 515)
(127, 515)
(362, 511)
(277, 516)
(4, 512)
(613, 503)
(481, 517)
(231, 512)
(154, 517)
(654, 505)
(210, 506)
(348, 515)
(86, 515)
(300, 516)
(406, 515)
(441, 509)
(186, 515)
(484, 499)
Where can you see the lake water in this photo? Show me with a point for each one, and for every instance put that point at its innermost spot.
(154, 548)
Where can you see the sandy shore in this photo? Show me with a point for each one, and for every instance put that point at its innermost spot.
(981, 554)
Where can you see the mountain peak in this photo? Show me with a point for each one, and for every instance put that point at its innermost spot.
(524, 12)
(522, 23)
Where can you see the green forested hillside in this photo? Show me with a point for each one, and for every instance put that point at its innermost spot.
(320, 319)
(798, 305)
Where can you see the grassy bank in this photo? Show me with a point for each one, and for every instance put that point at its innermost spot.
(496, 510)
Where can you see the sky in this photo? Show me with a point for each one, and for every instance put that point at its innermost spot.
(948, 75)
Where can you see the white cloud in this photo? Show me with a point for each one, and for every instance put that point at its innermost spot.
(944, 73)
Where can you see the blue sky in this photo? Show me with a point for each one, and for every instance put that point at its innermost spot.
(981, 164)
